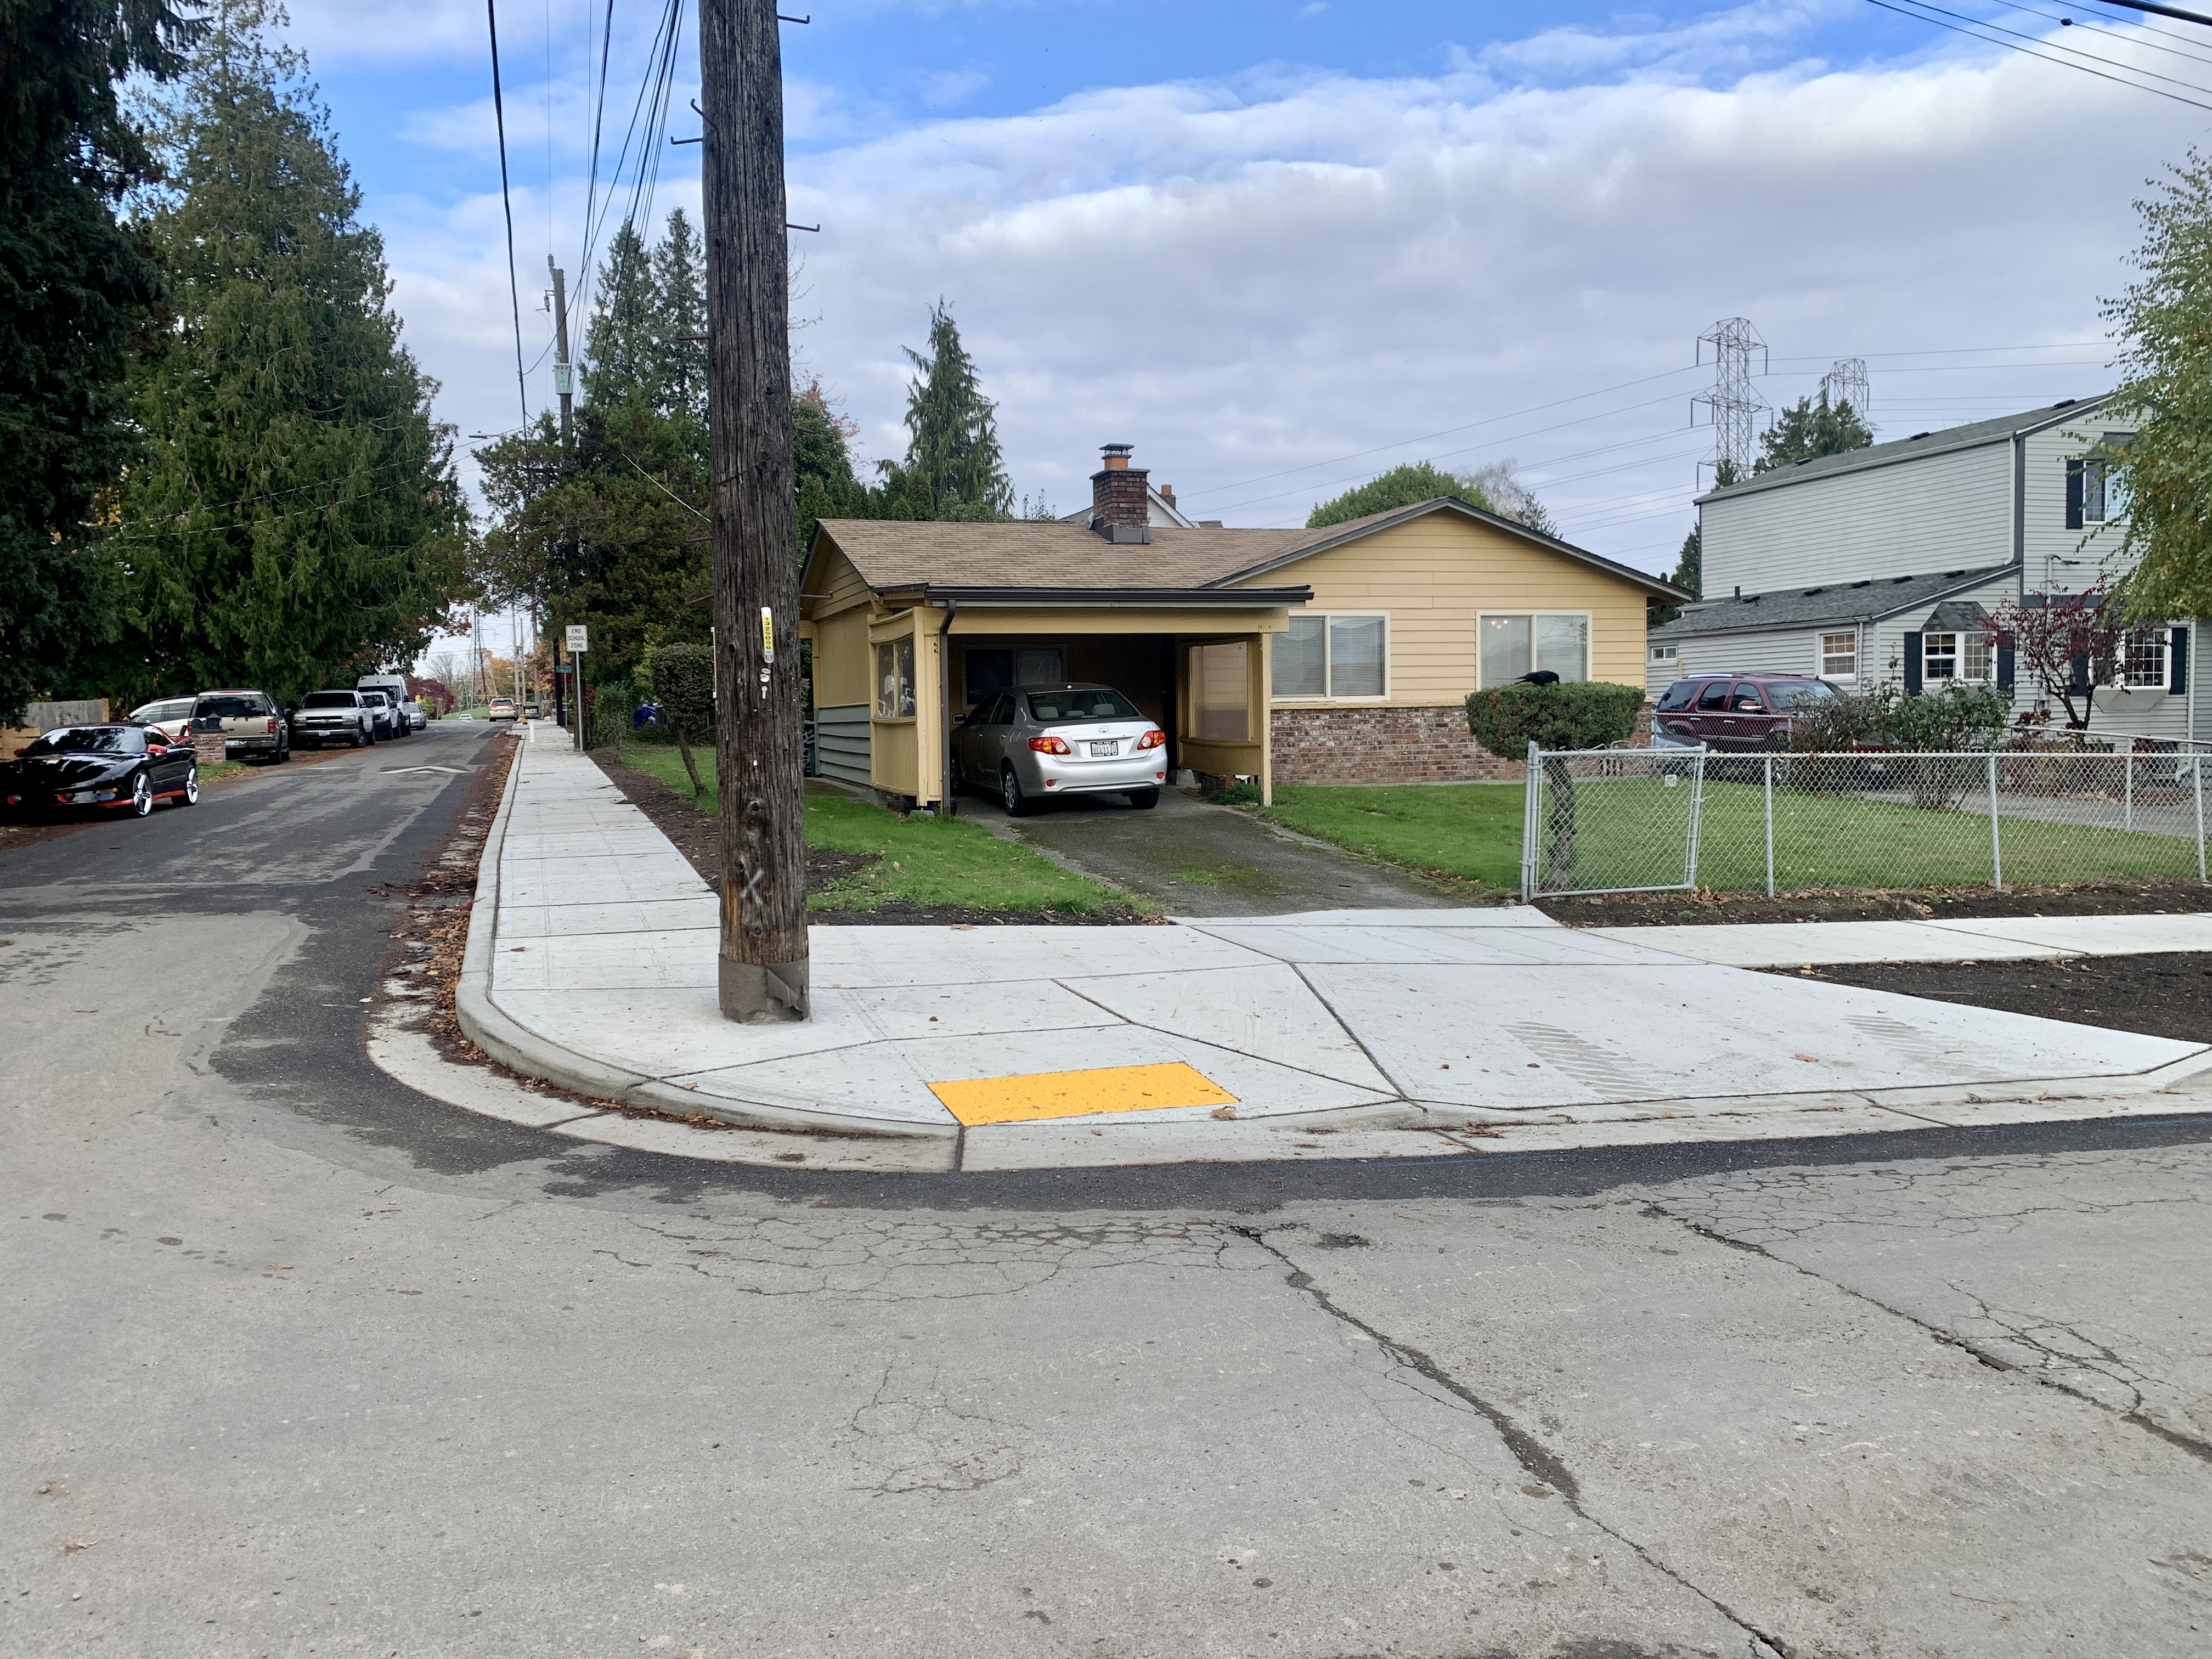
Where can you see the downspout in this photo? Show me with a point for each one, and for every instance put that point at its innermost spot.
(947, 791)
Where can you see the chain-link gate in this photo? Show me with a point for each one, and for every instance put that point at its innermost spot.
(1652, 820)
(1611, 821)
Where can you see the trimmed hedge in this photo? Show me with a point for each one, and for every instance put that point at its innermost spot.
(1573, 714)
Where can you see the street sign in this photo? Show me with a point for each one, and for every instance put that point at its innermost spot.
(579, 637)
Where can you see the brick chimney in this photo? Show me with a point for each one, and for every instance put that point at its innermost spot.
(1119, 509)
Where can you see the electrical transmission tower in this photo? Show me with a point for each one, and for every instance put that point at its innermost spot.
(1846, 383)
(1732, 406)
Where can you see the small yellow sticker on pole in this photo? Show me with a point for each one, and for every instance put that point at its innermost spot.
(768, 633)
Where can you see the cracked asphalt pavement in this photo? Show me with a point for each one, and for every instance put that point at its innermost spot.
(302, 1362)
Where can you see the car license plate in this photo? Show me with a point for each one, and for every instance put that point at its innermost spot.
(1104, 751)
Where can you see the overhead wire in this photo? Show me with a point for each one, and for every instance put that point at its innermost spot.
(1971, 26)
(506, 203)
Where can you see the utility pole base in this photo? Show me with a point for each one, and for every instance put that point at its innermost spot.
(755, 993)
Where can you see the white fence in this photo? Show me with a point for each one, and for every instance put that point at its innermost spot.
(1656, 820)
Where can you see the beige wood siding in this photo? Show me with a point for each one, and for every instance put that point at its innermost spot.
(1435, 576)
(841, 659)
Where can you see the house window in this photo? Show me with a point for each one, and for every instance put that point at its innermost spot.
(1216, 683)
(1508, 646)
(1332, 656)
(2144, 667)
(1840, 656)
(894, 680)
(1666, 655)
(1957, 656)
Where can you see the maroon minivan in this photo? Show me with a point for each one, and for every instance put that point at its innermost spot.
(1737, 712)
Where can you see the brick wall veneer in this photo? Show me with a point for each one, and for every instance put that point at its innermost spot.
(1376, 745)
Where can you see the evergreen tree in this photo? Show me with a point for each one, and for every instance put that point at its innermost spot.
(1402, 486)
(297, 515)
(75, 294)
(622, 342)
(954, 467)
(679, 297)
(1810, 428)
(1690, 567)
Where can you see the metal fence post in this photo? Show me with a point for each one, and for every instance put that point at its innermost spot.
(2128, 787)
(1697, 815)
(1996, 847)
(2197, 769)
(1529, 820)
(1770, 826)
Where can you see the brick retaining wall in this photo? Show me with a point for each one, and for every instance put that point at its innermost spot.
(1373, 744)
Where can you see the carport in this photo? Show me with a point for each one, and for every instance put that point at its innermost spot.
(1194, 660)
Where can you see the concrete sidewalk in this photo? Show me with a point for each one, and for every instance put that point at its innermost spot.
(1339, 1033)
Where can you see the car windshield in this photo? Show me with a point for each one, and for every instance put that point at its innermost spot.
(1679, 694)
(1809, 695)
(228, 709)
(89, 740)
(331, 700)
(1075, 705)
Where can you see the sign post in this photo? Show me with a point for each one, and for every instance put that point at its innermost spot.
(579, 640)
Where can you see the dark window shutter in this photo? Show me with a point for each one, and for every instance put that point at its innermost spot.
(2176, 662)
(2007, 676)
(2073, 494)
(1912, 664)
(2078, 683)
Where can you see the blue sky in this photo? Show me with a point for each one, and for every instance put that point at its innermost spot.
(1280, 245)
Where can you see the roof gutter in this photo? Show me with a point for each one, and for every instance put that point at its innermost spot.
(1121, 599)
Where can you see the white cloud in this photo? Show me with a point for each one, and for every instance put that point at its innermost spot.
(1246, 275)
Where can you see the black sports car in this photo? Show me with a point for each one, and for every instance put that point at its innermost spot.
(129, 767)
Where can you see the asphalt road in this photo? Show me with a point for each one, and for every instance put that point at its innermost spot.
(300, 1362)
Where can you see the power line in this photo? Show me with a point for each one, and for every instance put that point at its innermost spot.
(1922, 17)
(506, 203)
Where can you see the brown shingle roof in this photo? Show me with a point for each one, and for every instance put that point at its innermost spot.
(1031, 555)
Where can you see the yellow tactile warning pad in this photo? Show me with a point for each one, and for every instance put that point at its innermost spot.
(1079, 1094)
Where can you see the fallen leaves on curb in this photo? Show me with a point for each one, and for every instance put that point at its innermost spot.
(76, 1543)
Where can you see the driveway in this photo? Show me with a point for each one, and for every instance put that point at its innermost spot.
(1198, 860)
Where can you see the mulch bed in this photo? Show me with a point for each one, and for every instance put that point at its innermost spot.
(2167, 995)
(2096, 898)
(698, 837)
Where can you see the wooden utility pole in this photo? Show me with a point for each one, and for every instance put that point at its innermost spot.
(758, 723)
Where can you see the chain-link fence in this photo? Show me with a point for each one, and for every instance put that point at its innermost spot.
(1645, 820)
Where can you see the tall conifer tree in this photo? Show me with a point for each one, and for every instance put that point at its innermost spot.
(952, 457)
(298, 516)
(75, 294)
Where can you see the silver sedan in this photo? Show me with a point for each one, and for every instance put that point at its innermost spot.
(1038, 741)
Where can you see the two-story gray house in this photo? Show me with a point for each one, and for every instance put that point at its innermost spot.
(1880, 565)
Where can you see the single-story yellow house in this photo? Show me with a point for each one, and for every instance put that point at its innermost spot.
(1337, 655)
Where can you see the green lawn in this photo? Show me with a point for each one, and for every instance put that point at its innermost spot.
(921, 858)
(1633, 834)
(1468, 830)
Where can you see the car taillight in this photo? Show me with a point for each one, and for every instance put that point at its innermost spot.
(1050, 745)
(272, 724)
(1152, 739)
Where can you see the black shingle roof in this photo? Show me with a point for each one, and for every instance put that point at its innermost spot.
(1815, 607)
(1969, 436)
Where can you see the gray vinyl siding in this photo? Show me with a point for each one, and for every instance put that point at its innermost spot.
(1784, 652)
(841, 744)
(2057, 560)
(1945, 512)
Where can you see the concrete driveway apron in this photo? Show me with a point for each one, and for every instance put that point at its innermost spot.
(1200, 859)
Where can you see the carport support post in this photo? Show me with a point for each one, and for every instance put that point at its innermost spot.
(762, 971)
